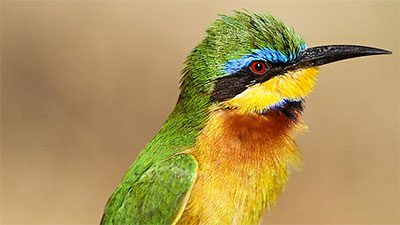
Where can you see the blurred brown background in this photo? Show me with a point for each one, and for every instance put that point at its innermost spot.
(85, 85)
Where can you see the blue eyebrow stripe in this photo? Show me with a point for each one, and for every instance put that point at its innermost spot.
(266, 54)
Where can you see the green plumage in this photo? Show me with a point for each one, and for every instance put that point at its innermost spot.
(156, 197)
(154, 186)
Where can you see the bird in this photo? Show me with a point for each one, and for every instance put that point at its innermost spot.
(227, 150)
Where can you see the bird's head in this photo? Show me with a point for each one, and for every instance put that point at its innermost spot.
(254, 62)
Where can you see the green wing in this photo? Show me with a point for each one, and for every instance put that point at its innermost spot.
(156, 197)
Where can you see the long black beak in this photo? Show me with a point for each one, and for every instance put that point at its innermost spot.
(321, 55)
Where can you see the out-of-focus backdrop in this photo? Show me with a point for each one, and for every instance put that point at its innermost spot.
(86, 84)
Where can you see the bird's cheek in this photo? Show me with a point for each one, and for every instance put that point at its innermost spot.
(254, 99)
(291, 86)
(297, 84)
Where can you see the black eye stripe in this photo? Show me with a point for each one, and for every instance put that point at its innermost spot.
(231, 85)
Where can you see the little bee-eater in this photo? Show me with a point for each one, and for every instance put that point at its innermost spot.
(226, 151)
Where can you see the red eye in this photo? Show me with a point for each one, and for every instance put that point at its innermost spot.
(258, 67)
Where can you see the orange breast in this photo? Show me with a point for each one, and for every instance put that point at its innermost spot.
(244, 162)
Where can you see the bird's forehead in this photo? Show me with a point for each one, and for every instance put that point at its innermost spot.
(265, 54)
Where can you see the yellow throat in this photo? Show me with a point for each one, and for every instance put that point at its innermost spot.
(244, 157)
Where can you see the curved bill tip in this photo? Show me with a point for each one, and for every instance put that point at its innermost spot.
(383, 51)
(370, 50)
(321, 55)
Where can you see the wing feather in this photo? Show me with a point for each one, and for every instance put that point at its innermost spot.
(157, 197)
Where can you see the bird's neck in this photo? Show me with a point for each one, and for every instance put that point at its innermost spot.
(244, 162)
